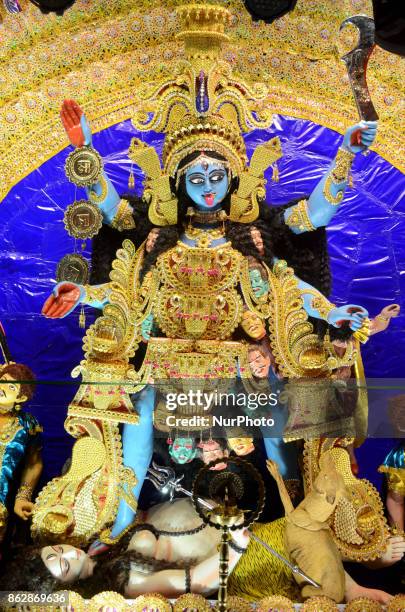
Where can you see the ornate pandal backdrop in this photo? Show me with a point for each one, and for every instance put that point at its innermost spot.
(100, 53)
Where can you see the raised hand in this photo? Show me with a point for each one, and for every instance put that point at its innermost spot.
(63, 299)
(350, 313)
(75, 123)
(360, 137)
(391, 311)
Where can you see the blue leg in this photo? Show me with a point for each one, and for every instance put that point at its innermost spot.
(285, 454)
(137, 445)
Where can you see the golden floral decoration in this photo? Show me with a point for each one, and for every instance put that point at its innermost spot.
(238, 604)
(319, 604)
(191, 601)
(363, 604)
(275, 602)
(104, 601)
(152, 601)
(396, 604)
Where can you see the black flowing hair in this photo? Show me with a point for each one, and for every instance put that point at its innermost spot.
(26, 571)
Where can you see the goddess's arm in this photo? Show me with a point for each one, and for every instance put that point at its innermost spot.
(66, 296)
(116, 212)
(327, 196)
(318, 306)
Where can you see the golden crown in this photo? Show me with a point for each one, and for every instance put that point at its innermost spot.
(212, 134)
(202, 108)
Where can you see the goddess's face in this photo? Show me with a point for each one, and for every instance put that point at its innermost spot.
(207, 184)
(211, 451)
(66, 563)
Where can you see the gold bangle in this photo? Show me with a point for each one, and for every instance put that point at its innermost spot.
(299, 217)
(323, 306)
(24, 492)
(363, 334)
(123, 219)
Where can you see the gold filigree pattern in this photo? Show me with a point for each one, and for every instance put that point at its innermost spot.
(275, 602)
(297, 350)
(150, 602)
(299, 217)
(191, 601)
(197, 296)
(364, 604)
(358, 525)
(124, 219)
(101, 53)
(319, 604)
(397, 603)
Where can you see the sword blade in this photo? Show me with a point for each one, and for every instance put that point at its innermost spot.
(356, 64)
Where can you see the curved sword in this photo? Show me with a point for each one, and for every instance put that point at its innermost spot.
(356, 63)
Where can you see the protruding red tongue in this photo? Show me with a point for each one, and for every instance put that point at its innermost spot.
(209, 199)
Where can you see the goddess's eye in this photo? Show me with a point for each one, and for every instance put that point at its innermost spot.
(216, 177)
(196, 180)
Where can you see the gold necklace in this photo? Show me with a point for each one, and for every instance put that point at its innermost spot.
(8, 431)
(207, 216)
(203, 237)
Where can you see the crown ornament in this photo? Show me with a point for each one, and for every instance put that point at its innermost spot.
(203, 108)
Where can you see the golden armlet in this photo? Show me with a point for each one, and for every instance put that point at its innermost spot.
(123, 219)
(299, 217)
(95, 294)
(339, 174)
(320, 303)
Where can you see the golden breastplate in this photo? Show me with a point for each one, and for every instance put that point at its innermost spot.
(197, 297)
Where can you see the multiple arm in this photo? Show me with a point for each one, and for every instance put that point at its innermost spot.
(66, 296)
(318, 306)
(116, 212)
(325, 199)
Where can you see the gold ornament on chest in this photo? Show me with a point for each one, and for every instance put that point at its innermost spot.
(198, 297)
